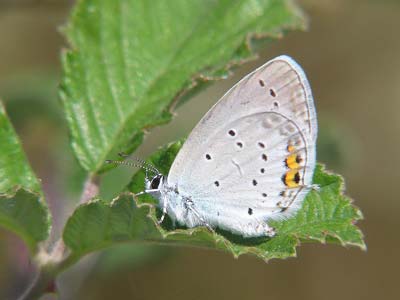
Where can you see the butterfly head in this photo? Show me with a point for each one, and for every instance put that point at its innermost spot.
(154, 182)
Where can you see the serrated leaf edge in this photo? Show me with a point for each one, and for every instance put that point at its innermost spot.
(12, 193)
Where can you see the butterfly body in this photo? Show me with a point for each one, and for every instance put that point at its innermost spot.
(250, 159)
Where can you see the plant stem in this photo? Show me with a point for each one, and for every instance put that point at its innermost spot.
(51, 262)
(39, 286)
(90, 189)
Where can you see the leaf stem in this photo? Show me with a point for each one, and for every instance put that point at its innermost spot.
(51, 262)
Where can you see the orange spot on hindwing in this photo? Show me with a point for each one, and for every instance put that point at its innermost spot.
(290, 148)
(292, 177)
(292, 161)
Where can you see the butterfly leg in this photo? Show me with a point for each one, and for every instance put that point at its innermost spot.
(140, 193)
(164, 203)
(190, 206)
(164, 212)
(146, 192)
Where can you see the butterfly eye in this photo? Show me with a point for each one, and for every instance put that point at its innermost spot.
(155, 182)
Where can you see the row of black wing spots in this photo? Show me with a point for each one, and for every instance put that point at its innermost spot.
(239, 144)
(233, 133)
(264, 157)
(271, 91)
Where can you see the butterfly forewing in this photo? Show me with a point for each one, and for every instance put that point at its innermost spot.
(252, 156)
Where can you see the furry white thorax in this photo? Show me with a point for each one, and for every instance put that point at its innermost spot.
(179, 208)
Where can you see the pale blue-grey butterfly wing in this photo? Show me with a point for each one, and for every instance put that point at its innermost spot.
(251, 157)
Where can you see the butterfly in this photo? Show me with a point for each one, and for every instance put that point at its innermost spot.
(249, 160)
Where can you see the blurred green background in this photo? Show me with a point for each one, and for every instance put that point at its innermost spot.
(351, 56)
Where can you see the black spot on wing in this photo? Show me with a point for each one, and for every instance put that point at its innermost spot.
(297, 177)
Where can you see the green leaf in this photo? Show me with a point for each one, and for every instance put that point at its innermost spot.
(132, 60)
(326, 216)
(24, 213)
(22, 207)
(14, 167)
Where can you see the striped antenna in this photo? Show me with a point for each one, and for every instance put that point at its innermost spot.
(135, 162)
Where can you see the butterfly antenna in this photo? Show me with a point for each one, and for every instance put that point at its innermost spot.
(148, 165)
(130, 164)
(142, 162)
